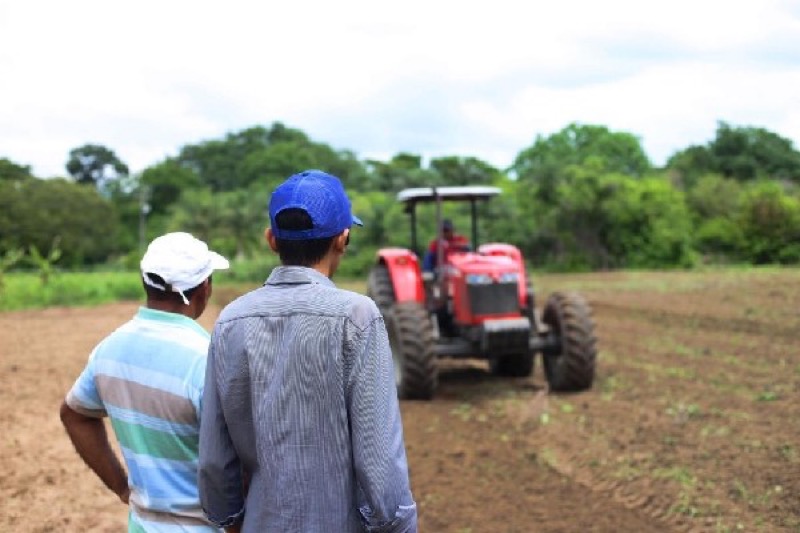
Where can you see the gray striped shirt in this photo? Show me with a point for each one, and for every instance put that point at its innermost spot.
(300, 404)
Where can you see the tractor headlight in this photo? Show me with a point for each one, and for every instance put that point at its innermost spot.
(478, 279)
(509, 277)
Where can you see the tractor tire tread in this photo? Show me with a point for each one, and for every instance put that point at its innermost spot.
(574, 368)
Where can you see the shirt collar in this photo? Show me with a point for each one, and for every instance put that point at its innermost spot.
(165, 317)
(297, 275)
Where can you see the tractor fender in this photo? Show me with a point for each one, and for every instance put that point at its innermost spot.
(508, 250)
(405, 274)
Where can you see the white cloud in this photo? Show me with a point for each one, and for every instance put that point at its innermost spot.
(436, 78)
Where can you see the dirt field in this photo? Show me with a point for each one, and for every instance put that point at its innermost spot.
(693, 422)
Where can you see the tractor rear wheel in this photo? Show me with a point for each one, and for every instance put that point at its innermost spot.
(571, 368)
(411, 338)
(515, 366)
(380, 288)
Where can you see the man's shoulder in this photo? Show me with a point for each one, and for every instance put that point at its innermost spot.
(362, 309)
(241, 305)
(328, 300)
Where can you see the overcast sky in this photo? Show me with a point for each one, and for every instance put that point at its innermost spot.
(429, 77)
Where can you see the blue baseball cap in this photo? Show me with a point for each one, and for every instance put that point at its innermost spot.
(319, 194)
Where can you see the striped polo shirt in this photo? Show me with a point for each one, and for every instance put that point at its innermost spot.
(147, 377)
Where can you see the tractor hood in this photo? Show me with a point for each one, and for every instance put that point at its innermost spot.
(488, 269)
(493, 266)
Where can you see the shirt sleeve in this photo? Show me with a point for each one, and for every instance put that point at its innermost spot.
(219, 477)
(83, 397)
(379, 454)
(460, 242)
(196, 383)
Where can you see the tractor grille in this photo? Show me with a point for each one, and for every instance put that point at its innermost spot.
(493, 298)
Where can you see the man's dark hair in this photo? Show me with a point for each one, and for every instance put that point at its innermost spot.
(168, 295)
(307, 252)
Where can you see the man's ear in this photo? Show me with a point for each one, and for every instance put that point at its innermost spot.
(341, 241)
(271, 240)
(208, 287)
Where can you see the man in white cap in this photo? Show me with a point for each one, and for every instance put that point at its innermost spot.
(148, 377)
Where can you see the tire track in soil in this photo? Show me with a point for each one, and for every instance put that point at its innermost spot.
(472, 432)
(697, 320)
(651, 503)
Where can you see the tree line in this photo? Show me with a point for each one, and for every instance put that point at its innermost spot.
(583, 198)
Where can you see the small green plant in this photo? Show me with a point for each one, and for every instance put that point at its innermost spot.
(463, 411)
(681, 474)
(45, 263)
(788, 452)
(610, 385)
(767, 396)
(680, 372)
(685, 505)
(683, 413)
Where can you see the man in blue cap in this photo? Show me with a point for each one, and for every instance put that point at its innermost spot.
(301, 427)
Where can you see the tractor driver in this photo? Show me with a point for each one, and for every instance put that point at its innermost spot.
(451, 242)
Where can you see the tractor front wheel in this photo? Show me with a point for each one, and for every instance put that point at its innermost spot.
(570, 368)
(411, 338)
(380, 288)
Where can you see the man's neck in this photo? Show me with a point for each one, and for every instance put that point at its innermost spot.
(324, 267)
(171, 307)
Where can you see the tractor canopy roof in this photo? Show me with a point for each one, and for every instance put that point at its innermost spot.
(446, 194)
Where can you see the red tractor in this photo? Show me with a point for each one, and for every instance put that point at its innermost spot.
(476, 303)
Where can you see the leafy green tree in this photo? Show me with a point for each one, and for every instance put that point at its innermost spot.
(502, 219)
(580, 220)
(454, 170)
(649, 224)
(271, 165)
(242, 217)
(265, 156)
(688, 165)
(714, 196)
(195, 213)
(164, 183)
(770, 222)
(744, 153)
(547, 161)
(385, 224)
(402, 171)
(233, 221)
(216, 162)
(10, 171)
(35, 212)
(714, 202)
(94, 164)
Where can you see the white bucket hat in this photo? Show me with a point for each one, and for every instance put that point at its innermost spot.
(181, 260)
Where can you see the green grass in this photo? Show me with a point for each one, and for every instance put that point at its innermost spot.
(23, 290)
(26, 290)
(653, 281)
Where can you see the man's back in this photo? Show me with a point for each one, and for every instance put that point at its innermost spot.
(148, 377)
(296, 371)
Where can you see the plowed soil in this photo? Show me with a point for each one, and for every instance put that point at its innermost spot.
(693, 423)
